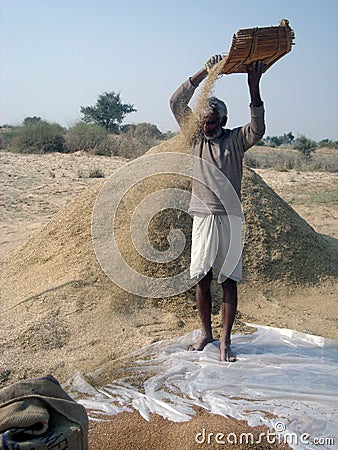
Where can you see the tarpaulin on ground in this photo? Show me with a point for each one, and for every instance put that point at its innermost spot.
(284, 379)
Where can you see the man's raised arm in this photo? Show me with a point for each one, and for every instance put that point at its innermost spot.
(181, 97)
(254, 72)
(254, 131)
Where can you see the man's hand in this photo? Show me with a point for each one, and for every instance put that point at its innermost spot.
(212, 61)
(199, 76)
(254, 71)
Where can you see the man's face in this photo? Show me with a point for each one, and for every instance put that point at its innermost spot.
(211, 125)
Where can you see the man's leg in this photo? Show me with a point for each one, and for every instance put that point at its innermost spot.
(229, 308)
(203, 299)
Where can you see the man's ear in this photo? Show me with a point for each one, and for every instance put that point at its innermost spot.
(224, 121)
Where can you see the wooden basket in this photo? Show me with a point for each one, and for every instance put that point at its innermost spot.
(268, 44)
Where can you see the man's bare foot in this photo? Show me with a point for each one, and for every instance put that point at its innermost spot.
(201, 343)
(226, 352)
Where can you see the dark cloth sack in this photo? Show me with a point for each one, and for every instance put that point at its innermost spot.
(37, 414)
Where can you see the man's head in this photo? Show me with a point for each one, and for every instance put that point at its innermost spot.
(214, 116)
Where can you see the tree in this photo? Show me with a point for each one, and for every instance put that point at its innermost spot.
(287, 139)
(31, 120)
(275, 141)
(109, 111)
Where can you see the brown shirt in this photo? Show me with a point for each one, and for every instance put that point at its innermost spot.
(218, 167)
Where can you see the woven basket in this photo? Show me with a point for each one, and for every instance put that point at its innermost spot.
(267, 44)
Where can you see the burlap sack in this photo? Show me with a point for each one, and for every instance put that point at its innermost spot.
(38, 414)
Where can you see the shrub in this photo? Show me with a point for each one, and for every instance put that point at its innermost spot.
(290, 159)
(328, 143)
(132, 147)
(305, 146)
(106, 147)
(323, 163)
(142, 130)
(39, 137)
(95, 172)
(7, 135)
(86, 137)
(282, 160)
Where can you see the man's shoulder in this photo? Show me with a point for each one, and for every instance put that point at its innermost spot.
(229, 133)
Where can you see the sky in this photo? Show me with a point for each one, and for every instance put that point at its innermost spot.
(59, 55)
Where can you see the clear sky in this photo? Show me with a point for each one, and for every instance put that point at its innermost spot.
(58, 55)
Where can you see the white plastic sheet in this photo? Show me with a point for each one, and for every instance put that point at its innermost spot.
(288, 374)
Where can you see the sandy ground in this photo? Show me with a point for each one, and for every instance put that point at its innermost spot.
(35, 187)
(312, 194)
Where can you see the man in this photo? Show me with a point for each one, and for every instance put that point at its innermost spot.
(214, 221)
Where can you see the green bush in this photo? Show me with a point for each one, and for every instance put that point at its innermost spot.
(131, 142)
(39, 137)
(86, 137)
(305, 146)
(328, 143)
(7, 135)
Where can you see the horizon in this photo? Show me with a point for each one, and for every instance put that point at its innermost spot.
(59, 57)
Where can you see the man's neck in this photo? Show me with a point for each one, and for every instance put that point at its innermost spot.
(217, 135)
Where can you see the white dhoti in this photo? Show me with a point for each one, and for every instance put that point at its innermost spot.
(217, 244)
